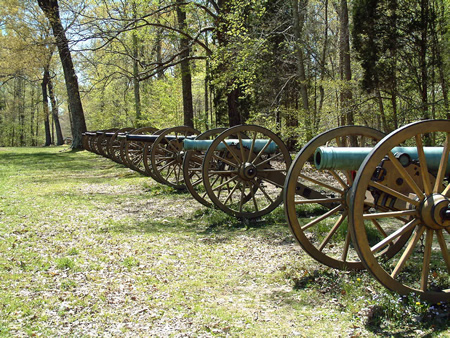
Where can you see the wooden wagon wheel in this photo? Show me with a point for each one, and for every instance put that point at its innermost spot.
(192, 168)
(133, 151)
(85, 141)
(93, 142)
(409, 193)
(166, 156)
(324, 234)
(102, 142)
(114, 145)
(245, 178)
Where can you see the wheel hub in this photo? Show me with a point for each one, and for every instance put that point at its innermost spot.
(247, 171)
(179, 156)
(435, 211)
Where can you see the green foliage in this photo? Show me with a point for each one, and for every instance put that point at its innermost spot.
(65, 263)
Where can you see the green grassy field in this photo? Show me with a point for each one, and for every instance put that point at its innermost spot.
(89, 248)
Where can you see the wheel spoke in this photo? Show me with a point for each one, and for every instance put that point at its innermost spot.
(255, 203)
(319, 201)
(223, 172)
(269, 159)
(391, 214)
(442, 166)
(423, 166)
(379, 227)
(260, 187)
(322, 217)
(408, 251)
(322, 184)
(332, 231)
(250, 153)
(338, 178)
(224, 160)
(230, 194)
(168, 164)
(262, 151)
(231, 151)
(389, 239)
(405, 175)
(346, 247)
(394, 193)
(241, 147)
(241, 202)
(224, 183)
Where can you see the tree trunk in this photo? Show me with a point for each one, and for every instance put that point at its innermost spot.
(423, 49)
(322, 68)
(345, 68)
(298, 19)
(78, 125)
(440, 64)
(32, 113)
(234, 116)
(51, 93)
(45, 79)
(136, 82)
(186, 80)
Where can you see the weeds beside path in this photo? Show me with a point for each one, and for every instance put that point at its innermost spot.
(89, 248)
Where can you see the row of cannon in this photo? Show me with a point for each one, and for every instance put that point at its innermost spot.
(354, 197)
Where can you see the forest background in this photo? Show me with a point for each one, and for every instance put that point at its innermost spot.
(297, 67)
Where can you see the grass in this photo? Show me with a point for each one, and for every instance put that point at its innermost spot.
(89, 248)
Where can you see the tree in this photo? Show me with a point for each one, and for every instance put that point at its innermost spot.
(345, 65)
(78, 124)
(186, 80)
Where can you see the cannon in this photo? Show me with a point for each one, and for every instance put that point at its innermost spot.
(242, 170)
(388, 213)
(163, 158)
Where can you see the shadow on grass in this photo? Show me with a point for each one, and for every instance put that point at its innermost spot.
(383, 312)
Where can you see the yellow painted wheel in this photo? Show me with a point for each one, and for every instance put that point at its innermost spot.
(316, 200)
(410, 198)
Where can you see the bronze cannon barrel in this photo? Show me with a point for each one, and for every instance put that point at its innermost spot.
(257, 145)
(350, 158)
(152, 138)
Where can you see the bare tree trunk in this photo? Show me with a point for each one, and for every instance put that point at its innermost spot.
(51, 93)
(32, 113)
(51, 11)
(186, 80)
(298, 18)
(345, 68)
(322, 68)
(21, 108)
(442, 78)
(386, 128)
(45, 79)
(136, 82)
(423, 59)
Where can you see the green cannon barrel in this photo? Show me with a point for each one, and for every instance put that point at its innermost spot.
(350, 158)
(259, 144)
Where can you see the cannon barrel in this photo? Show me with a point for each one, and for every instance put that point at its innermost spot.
(350, 158)
(151, 138)
(259, 144)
